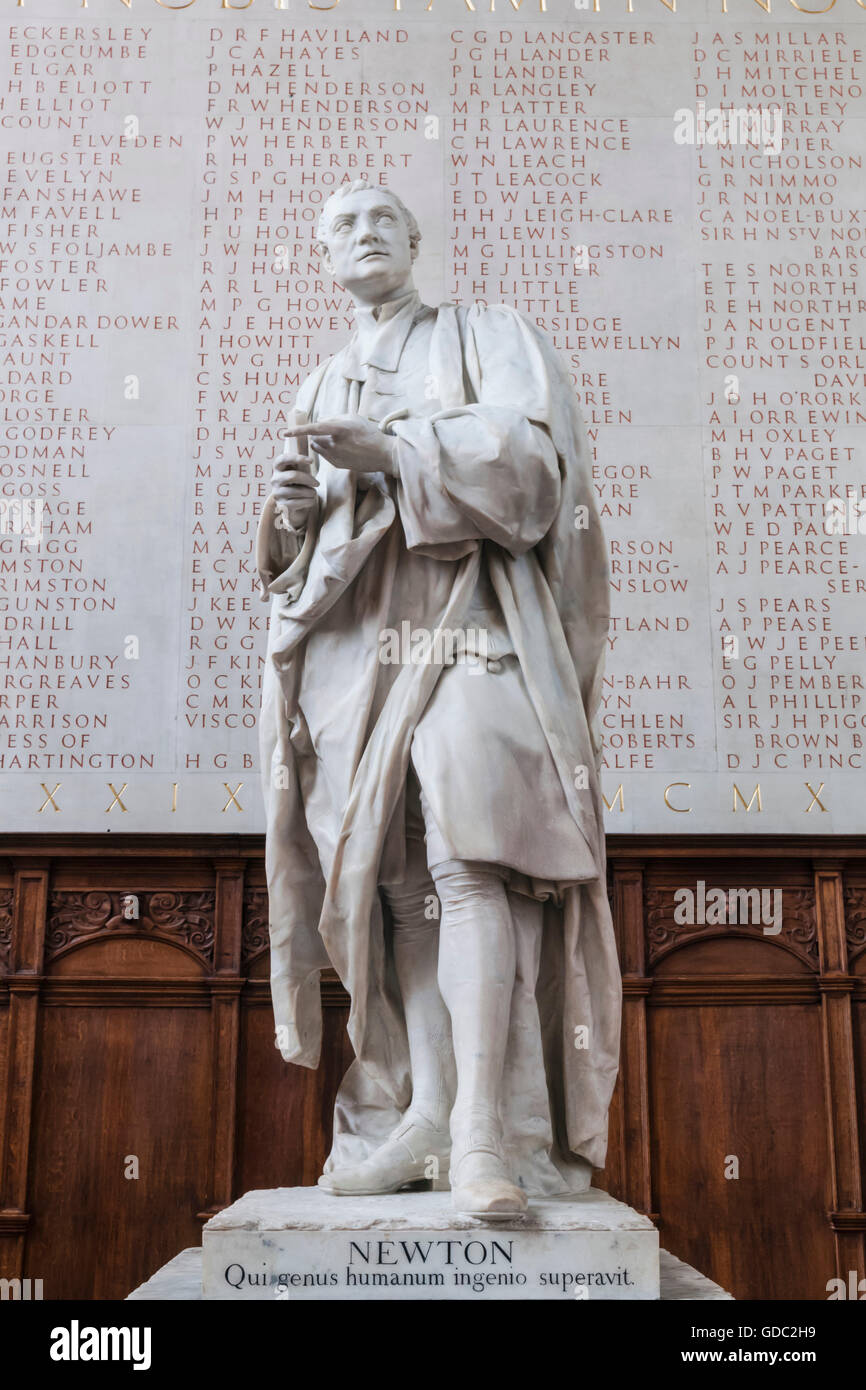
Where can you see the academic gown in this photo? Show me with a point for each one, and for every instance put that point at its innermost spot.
(495, 488)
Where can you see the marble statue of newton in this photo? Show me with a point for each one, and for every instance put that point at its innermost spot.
(434, 823)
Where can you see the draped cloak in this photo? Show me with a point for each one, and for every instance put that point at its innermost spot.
(553, 591)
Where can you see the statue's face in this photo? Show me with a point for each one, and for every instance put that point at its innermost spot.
(367, 245)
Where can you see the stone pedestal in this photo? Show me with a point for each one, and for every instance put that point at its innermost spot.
(300, 1243)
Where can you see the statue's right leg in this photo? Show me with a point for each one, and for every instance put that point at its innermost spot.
(418, 1149)
(414, 910)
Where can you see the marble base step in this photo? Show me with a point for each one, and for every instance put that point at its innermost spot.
(302, 1243)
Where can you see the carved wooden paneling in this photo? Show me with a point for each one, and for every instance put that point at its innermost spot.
(840, 1071)
(286, 1113)
(254, 941)
(153, 1038)
(120, 1150)
(855, 917)
(740, 1155)
(798, 934)
(186, 919)
(6, 901)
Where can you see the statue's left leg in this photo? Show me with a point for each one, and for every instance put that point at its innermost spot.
(477, 964)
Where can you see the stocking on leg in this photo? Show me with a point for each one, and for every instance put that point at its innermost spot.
(428, 1023)
(476, 978)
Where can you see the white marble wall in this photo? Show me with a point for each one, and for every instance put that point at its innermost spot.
(159, 304)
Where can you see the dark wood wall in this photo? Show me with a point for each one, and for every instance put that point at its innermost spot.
(147, 1046)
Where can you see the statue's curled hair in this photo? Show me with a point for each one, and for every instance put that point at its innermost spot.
(362, 186)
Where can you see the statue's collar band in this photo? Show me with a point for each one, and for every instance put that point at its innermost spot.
(380, 334)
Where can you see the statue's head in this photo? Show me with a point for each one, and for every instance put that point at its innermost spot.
(367, 239)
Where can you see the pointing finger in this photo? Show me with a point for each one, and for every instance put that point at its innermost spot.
(312, 427)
